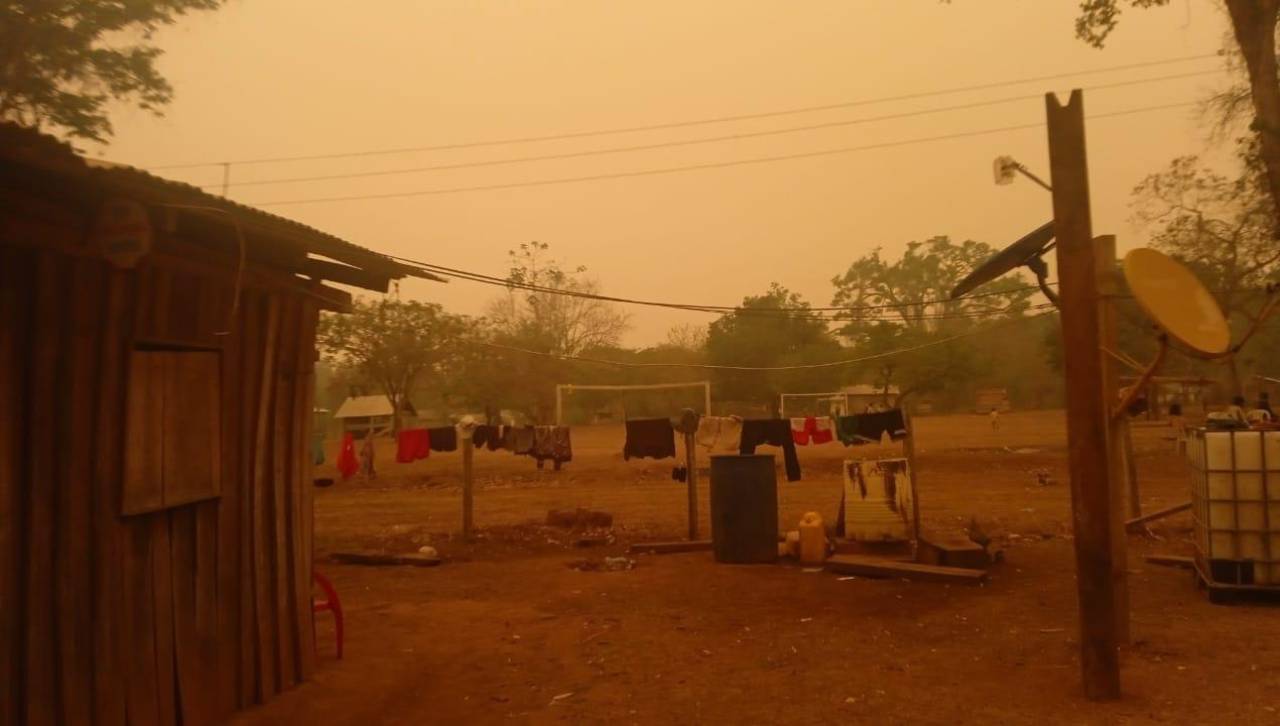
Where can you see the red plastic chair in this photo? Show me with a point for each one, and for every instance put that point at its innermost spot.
(330, 603)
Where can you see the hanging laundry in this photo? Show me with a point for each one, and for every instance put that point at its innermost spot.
(774, 432)
(488, 436)
(719, 434)
(869, 428)
(348, 465)
(811, 429)
(412, 444)
(551, 442)
(649, 437)
(443, 438)
(523, 440)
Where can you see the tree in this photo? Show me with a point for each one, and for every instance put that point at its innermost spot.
(548, 308)
(63, 61)
(915, 291)
(1253, 24)
(769, 330)
(1220, 227)
(687, 337)
(902, 304)
(393, 344)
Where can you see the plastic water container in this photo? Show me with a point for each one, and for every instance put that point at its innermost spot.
(1235, 496)
(813, 539)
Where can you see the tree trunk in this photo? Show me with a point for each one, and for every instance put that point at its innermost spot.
(1254, 24)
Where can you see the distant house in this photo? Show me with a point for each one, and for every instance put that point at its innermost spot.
(361, 414)
(987, 400)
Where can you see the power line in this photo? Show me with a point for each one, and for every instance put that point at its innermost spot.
(700, 167)
(694, 307)
(805, 366)
(691, 142)
(695, 122)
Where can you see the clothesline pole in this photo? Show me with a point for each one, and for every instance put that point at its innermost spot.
(691, 463)
(909, 447)
(468, 475)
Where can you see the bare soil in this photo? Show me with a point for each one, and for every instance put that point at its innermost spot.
(514, 629)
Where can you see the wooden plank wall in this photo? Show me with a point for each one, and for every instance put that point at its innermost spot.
(179, 616)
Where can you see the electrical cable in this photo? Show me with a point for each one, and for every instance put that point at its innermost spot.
(701, 167)
(696, 122)
(799, 367)
(683, 142)
(719, 309)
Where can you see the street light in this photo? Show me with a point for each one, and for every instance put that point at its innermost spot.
(1006, 168)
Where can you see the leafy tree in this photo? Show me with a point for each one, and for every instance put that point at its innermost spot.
(905, 303)
(773, 329)
(1253, 25)
(393, 344)
(1221, 227)
(62, 62)
(915, 290)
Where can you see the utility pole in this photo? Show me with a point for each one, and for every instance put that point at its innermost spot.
(1088, 413)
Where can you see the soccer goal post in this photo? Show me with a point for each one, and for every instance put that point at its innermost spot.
(568, 388)
(830, 396)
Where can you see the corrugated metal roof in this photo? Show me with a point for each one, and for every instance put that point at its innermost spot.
(24, 146)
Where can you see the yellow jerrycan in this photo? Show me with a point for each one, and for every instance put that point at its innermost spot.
(813, 539)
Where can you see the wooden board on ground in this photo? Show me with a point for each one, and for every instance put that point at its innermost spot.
(382, 558)
(878, 567)
(885, 550)
(669, 548)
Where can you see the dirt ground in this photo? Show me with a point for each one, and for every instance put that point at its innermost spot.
(507, 632)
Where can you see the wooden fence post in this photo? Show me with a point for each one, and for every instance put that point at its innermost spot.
(1088, 414)
(1118, 453)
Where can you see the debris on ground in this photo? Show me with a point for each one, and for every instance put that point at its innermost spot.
(607, 564)
(579, 519)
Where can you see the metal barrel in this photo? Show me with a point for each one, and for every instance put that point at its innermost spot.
(744, 508)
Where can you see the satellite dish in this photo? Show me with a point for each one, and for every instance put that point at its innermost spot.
(1005, 170)
(1177, 302)
(1024, 251)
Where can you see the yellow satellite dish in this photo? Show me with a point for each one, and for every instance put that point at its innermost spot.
(1175, 299)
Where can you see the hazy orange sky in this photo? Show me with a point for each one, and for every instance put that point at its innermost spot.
(267, 78)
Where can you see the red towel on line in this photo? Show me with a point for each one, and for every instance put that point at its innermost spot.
(348, 465)
(811, 429)
(413, 444)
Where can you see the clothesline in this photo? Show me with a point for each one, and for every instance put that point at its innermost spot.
(803, 366)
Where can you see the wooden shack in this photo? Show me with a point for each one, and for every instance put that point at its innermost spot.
(156, 381)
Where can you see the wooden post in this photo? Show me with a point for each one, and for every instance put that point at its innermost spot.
(559, 406)
(468, 476)
(1118, 452)
(1088, 415)
(706, 398)
(691, 462)
(909, 448)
